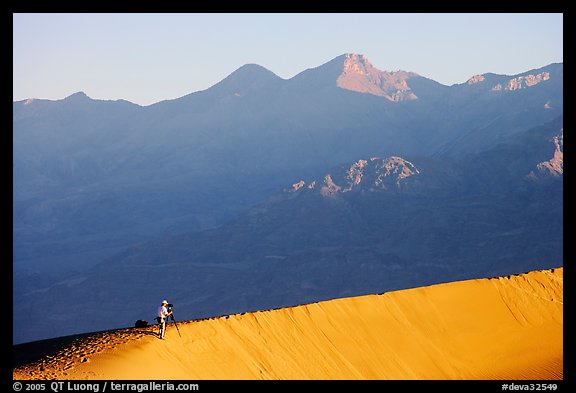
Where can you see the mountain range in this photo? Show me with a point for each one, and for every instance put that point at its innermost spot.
(261, 192)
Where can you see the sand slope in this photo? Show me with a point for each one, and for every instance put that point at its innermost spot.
(500, 328)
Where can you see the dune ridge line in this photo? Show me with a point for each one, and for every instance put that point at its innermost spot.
(507, 327)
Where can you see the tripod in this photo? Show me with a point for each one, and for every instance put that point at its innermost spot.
(175, 324)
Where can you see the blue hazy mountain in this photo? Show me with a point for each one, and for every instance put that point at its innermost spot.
(109, 196)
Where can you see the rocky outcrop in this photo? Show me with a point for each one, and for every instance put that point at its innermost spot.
(554, 167)
(476, 79)
(359, 75)
(363, 175)
(523, 82)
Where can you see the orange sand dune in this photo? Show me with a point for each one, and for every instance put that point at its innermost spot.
(500, 328)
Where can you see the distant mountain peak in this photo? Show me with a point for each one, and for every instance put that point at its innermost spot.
(245, 79)
(78, 97)
(358, 74)
(255, 70)
(366, 175)
(355, 63)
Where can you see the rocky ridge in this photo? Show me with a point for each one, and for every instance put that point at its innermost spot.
(366, 175)
(358, 74)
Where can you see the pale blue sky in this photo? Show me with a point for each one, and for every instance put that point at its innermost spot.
(146, 58)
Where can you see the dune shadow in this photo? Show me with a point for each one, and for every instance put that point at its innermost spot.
(33, 351)
(151, 333)
(150, 330)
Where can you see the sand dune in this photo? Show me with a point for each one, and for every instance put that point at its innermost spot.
(499, 328)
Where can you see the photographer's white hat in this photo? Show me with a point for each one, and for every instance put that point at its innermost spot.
(164, 301)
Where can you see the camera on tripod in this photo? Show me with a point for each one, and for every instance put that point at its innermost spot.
(169, 306)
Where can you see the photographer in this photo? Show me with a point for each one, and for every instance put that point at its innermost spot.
(163, 313)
